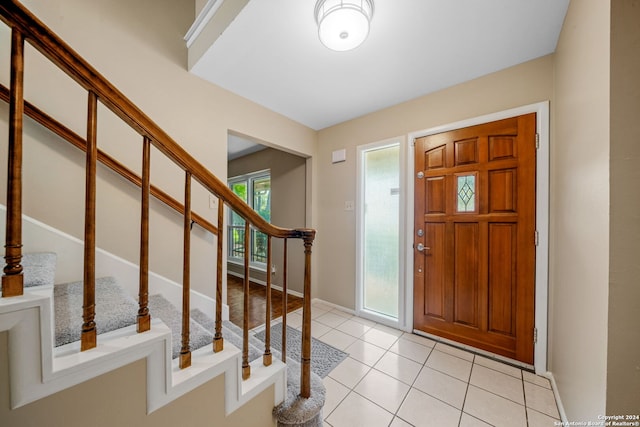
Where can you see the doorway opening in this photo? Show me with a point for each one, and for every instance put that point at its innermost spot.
(274, 183)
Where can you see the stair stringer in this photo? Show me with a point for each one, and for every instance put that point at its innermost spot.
(38, 370)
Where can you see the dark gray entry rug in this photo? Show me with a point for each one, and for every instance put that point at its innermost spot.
(323, 356)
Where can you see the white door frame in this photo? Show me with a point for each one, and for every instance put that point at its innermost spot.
(542, 218)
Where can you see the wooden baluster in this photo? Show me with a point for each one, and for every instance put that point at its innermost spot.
(144, 319)
(88, 337)
(218, 341)
(185, 351)
(266, 358)
(284, 305)
(305, 368)
(246, 368)
(12, 281)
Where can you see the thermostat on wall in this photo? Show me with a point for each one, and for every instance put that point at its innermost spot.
(339, 156)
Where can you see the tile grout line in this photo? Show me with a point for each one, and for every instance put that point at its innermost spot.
(411, 386)
(353, 389)
(539, 411)
(464, 401)
(524, 395)
(422, 367)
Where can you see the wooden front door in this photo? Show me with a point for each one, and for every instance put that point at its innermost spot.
(474, 236)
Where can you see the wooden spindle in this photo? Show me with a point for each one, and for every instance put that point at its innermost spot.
(218, 341)
(266, 358)
(246, 368)
(185, 351)
(144, 318)
(305, 362)
(88, 337)
(284, 305)
(12, 281)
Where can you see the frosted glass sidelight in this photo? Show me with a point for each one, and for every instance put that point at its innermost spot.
(381, 231)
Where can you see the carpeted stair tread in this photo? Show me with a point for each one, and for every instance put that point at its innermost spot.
(162, 309)
(325, 356)
(39, 268)
(294, 410)
(230, 332)
(115, 309)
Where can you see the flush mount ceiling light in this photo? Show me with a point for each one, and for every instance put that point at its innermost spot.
(343, 24)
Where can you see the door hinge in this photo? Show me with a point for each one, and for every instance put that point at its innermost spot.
(413, 142)
(535, 335)
(536, 237)
(537, 141)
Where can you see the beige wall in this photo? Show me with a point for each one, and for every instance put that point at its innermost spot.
(119, 398)
(579, 264)
(520, 85)
(288, 188)
(623, 358)
(139, 47)
(199, 5)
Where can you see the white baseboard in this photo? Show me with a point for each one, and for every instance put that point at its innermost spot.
(263, 283)
(556, 394)
(330, 304)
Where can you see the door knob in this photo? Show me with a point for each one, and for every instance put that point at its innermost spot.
(420, 247)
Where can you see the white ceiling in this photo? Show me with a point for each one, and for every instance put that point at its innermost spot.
(239, 146)
(271, 54)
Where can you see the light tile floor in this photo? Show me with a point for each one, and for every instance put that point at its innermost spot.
(392, 378)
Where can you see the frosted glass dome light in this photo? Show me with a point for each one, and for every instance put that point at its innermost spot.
(343, 24)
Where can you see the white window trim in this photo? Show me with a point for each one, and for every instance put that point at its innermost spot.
(249, 177)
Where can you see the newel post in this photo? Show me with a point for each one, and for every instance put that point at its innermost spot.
(12, 281)
(305, 368)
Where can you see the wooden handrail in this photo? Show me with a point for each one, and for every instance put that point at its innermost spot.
(70, 136)
(68, 60)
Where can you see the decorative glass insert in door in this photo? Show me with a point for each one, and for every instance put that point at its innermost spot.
(466, 193)
(381, 230)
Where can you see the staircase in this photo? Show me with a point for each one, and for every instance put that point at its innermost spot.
(44, 350)
(117, 312)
